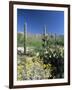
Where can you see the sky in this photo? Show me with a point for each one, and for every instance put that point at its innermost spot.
(37, 19)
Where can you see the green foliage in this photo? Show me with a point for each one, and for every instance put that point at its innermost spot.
(36, 41)
(55, 57)
(20, 40)
(33, 69)
(48, 64)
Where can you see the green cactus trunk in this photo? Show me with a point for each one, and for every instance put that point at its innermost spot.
(55, 41)
(44, 39)
(25, 28)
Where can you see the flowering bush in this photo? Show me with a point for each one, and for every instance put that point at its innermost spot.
(48, 65)
(55, 57)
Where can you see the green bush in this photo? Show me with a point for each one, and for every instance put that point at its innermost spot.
(55, 57)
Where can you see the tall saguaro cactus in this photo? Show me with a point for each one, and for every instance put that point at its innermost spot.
(44, 39)
(55, 41)
(25, 31)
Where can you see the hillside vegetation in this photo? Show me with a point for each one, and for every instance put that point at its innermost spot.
(44, 58)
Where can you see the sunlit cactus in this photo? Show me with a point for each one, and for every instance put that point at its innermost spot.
(45, 37)
(25, 32)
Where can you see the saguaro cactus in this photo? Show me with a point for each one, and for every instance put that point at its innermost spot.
(44, 39)
(55, 40)
(25, 31)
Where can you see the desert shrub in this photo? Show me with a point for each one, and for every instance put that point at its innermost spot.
(55, 57)
(32, 68)
(49, 64)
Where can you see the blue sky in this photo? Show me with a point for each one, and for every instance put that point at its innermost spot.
(36, 19)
